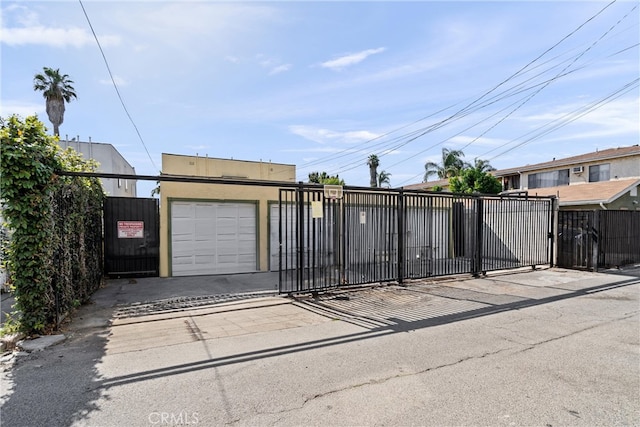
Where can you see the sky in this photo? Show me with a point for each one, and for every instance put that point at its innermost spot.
(324, 85)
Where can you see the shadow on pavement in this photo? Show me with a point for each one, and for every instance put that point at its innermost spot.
(399, 326)
(61, 386)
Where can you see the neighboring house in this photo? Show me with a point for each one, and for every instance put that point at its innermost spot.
(607, 179)
(110, 161)
(439, 185)
(219, 228)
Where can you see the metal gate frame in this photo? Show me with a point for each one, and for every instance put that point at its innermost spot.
(134, 252)
(594, 239)
(386, 235)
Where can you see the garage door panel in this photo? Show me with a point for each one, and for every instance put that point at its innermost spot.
(213, 238)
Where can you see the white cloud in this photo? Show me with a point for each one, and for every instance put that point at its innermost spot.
(119, 81)
(30, 31)
(323, 136)
(615, 118)
(23, 109)
(350, 59)
(464, 140)
(280, 69)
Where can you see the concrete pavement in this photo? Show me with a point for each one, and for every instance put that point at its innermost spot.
(547, 347)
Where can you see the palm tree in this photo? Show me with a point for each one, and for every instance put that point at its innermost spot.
(482, 165)
(451, 165)
(373, 163)
(56, 89)
(384, 177)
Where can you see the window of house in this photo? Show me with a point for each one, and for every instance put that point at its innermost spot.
(119, 182)
(599, 173)
(549, 179)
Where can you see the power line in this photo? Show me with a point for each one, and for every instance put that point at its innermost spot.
(473, 106)
(116, 86)
(388, 146)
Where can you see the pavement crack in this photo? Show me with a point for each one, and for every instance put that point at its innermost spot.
(375, 381)
(579, 331)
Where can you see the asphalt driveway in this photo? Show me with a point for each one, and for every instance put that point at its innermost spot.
(546, 347)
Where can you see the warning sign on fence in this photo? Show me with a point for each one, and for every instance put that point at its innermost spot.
(130, 229)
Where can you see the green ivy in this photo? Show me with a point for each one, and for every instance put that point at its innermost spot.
(55, 224)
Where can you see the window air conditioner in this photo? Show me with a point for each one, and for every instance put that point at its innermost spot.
(578, 169)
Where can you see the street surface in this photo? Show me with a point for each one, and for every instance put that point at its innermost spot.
(535, 348)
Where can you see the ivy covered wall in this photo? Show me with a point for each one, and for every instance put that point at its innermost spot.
(54, 257)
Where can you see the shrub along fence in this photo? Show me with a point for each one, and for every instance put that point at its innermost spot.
(55, 250)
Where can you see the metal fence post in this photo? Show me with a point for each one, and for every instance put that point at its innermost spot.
(553, 231)
(476, 267)
(401, 234)
(300, 235)
(594, 234)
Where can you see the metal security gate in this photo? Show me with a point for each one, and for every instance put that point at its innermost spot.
(131, 237)
(368, 236)
(588, 240)
(577, 240)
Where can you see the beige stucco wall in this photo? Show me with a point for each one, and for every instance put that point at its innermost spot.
(628, 167)
(220, 168)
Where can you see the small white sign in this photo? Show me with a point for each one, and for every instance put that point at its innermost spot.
(316, 209)
(130, 229)
(363, 217)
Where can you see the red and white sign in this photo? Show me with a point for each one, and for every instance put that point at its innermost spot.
(130, 229)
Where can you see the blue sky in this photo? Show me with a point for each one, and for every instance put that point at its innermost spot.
(323, 85)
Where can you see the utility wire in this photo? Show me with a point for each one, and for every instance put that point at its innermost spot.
(556, 124)
(473, 106)
(116, 86)
(501, 96)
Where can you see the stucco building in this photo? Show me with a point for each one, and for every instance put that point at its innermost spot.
(110, 161)
(219, 228)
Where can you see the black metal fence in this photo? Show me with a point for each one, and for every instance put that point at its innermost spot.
(392, 235)
(590, 240)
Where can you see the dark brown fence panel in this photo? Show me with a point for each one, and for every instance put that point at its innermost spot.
(131, 237)
(577, 237)
(619, 238)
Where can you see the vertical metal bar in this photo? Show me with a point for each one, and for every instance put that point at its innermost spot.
(594, 232)
(401, 233)
(280, 219)
(552, 228)
(477, 267)
(300, 236)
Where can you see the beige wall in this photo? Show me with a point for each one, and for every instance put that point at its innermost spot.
(628, 167)
(220, 168)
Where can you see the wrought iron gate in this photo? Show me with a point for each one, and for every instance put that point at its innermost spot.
(131, 237)
(369, 236)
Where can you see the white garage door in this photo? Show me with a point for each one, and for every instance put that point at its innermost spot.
(213, 238)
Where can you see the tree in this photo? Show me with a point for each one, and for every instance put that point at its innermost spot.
(324, 178)
(474, 180)
(482, 165)
(56, 90)
(384, 177)
(373, 163)
(451, 165)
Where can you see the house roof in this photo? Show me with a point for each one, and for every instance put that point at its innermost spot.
(444, 183)
(611, 153)
(590, 193)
